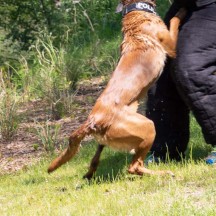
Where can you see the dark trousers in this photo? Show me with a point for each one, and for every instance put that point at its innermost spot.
(187, 83)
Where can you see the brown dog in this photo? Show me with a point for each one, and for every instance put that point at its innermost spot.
(114, 120)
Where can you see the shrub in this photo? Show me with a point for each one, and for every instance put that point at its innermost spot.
(51, 77)
(48, 135)
(9, 102)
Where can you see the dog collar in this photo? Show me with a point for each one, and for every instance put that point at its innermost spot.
(140, 6)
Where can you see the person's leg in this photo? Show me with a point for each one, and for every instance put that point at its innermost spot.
(195, 74)
(170, 116)
(168, 112)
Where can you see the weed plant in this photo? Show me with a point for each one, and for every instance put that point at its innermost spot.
(48, 135)
(9, 103)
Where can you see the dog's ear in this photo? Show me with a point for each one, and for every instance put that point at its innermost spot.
(119, 8)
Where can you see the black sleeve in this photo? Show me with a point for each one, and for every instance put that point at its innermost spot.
(171, 12)
(200, 3)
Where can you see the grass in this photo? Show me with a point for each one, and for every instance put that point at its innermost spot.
(113, 191)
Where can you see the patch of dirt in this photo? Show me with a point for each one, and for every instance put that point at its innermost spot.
(26, 148)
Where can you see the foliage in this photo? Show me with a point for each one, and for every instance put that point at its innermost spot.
(51, 76)
(9, 99)
(87, 31)
(22, 21)
(48, 135)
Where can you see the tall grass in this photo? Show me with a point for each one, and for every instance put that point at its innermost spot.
(48, 135)
(52, 77)
(9, 103)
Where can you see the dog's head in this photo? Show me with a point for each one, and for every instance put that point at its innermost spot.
(123, 3)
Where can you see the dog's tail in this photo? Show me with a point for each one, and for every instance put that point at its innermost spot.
(74, 144)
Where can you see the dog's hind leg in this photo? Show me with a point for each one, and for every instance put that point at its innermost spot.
(134, 131)
(94, 163)
(137, 165)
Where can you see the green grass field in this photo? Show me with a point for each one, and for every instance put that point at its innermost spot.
(113, 191)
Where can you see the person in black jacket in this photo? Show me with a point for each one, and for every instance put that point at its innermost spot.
(187, 83)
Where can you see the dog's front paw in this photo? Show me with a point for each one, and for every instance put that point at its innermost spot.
(88, 175)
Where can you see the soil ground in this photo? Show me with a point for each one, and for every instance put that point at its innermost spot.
(26, 148)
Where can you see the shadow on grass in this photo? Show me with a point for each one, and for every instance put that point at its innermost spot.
(198, 152)
(112, 167)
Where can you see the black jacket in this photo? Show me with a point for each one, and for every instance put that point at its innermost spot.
(193, 3)
(201, 3)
